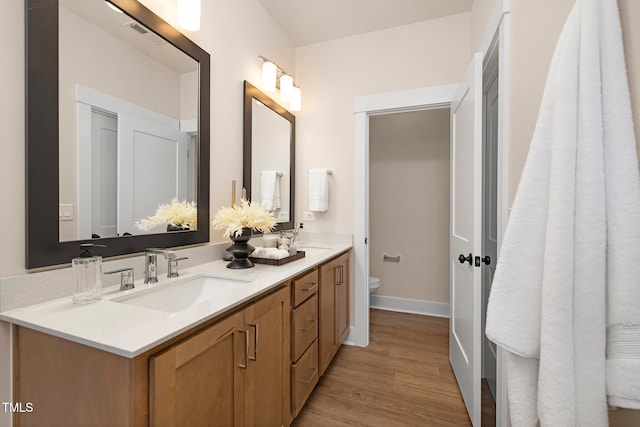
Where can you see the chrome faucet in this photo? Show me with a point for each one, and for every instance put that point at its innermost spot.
(151, 263)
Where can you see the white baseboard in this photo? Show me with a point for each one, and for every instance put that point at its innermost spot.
(350, 339)
(413, 306)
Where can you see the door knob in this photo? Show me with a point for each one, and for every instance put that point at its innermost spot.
(462, 259)
(486, 260)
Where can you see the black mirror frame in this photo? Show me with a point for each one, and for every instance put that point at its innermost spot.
(43, 247)
(250, 92)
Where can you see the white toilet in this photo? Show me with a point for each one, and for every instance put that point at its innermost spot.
(374, 284)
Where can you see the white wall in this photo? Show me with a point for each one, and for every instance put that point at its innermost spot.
(409, 204)
(332, 73)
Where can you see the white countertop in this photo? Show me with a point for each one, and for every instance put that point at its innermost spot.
(129, 330)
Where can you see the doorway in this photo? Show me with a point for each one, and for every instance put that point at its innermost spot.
(409, 210)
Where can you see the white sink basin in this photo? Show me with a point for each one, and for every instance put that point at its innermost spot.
(186, 293)
(312, 250)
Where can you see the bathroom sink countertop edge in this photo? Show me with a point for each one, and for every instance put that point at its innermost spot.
(129, 330)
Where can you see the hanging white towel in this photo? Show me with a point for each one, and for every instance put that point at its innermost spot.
(318, 190)
(572, 230)
(270, 190)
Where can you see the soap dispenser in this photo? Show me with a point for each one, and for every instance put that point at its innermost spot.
(87, 275)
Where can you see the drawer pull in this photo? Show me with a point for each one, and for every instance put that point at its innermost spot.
(255, 342)
(315, 371)
(311, 288)
(313, 323)
(246, 349)
(340, 268)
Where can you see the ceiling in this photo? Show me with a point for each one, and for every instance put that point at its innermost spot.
(312, 21)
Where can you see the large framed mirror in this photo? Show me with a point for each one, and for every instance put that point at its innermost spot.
(269, 155)
(117, 125)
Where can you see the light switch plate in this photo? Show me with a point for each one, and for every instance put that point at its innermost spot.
(283, 215)
(309, 216)
(65, 212)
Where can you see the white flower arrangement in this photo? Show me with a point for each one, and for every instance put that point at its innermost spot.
(181, 214)
(243, 215)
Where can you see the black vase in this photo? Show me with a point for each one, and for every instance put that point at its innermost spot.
(241, 250)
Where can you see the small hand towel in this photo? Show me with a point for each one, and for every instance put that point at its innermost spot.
(318, 190)
(270, 190)
(270, 253)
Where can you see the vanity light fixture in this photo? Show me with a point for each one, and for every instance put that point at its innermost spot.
(286, 87)
(274, 77)
(189, 14)
(269, 74)
(295, 103)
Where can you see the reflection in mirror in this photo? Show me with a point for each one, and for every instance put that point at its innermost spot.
(128, 104)
(269, 141)
(78, 83)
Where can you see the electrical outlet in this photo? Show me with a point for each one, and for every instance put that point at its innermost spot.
(309, 216)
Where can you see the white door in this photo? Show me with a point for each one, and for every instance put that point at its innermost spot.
(465, 241)
(153, 169)
(104, 167)
(490, 216)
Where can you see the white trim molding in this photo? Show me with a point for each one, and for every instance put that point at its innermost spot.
(407, 305)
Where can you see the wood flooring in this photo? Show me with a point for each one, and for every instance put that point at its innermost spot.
(402, 379)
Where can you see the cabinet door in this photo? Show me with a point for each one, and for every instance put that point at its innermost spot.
(199, 382)
(342, 299)
(267, 379)
(326, 314)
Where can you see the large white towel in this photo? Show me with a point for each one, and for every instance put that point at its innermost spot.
(318, 190)
(270, 190)
(564, 263)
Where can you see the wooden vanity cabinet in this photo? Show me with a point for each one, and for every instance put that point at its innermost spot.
(304, 339)
(235, 373)
(201, 380)
(333, 308)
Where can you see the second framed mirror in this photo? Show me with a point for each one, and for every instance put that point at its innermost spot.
(269, 155)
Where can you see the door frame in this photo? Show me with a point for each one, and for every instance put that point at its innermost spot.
(496, 35)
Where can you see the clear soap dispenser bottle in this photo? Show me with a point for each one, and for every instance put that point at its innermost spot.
(87, 275)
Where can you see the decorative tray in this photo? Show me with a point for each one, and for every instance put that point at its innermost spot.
(269, 261)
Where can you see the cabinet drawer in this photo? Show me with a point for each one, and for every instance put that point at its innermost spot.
(304, 377)
(304, 325)
(304, 287)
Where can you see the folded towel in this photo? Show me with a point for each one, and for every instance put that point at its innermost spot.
(270, 253)
(564, 281)
(270, 190)
(318, 190)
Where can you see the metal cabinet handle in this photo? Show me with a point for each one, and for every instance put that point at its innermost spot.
(340, 281)
(255, 342)
(315, 371)
(313, 323)
(311, 288)
(246, 349)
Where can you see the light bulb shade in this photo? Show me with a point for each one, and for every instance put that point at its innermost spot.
(269, 71)
(295, 104)
(286, 87)
(189, 14)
